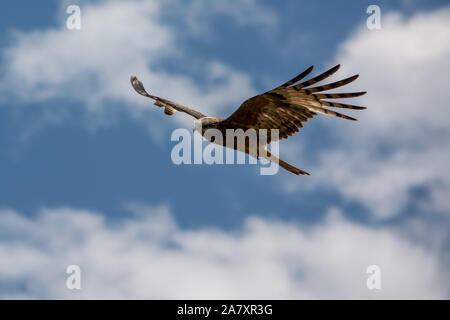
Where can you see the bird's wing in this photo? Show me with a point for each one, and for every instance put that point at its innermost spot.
(169, 106)
(287, 106)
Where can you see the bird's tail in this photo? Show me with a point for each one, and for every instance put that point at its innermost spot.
(291, 168)
(285, 165)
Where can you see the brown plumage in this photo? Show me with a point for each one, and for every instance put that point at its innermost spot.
(284, 108)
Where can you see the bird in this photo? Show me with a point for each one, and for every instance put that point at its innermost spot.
(285, 108)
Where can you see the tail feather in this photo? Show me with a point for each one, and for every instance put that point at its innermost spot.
(271, 157)
(291, 168)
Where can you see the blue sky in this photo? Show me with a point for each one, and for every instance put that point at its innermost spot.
(76, 139)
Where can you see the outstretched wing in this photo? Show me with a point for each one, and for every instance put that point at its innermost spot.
(288, 106)
(169, 107)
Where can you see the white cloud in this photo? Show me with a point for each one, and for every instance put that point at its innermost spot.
(198, 16)
(403, 140)
(92, 66)
(147, 255)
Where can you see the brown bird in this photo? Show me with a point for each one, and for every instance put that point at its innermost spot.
(284, 108)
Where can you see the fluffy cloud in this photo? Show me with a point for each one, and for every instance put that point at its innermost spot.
(147, 255)
(402, 141)
(198, 15)
(92, 66)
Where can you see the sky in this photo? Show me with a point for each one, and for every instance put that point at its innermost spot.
(86, 176)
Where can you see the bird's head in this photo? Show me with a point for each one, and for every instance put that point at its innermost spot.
(203, 124)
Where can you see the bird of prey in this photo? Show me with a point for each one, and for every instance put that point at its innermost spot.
(284, 108)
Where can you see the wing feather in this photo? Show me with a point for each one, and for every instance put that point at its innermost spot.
(341, 105)
(289, 105)
(297, 78)
(339, 95)
(169, 107)
(318, 78)
(333, 85)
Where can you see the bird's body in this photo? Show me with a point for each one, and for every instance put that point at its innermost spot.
(284, 108)
(240, 141)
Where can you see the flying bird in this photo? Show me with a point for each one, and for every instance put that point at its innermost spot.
(285, 108)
